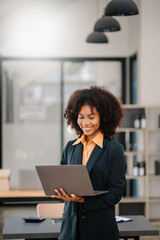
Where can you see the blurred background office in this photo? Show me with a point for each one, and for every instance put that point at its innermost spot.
(45, 57)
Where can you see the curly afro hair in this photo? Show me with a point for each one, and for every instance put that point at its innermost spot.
(108, 106)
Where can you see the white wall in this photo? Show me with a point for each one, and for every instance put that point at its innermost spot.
(60, 31)
(46, 28)
(149, 53)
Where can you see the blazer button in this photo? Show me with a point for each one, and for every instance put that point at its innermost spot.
(83, 217)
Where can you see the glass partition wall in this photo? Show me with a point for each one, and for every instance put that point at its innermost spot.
(79, 75)
(34, 96)
(31, 117)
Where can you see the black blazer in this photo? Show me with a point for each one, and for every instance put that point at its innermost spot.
(95, 217)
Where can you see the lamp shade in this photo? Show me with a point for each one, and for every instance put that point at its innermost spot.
(121, 8)
(107, 24)
(97, 37)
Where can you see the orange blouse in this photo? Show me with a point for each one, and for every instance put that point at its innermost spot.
(88, 147)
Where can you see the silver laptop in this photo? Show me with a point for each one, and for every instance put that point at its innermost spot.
(74, 179)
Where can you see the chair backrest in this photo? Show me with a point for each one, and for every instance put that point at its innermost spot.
(50, 210)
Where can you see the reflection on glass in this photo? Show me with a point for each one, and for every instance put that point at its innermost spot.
(31, 110)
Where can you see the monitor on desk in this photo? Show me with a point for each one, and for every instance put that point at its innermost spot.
(28, 179)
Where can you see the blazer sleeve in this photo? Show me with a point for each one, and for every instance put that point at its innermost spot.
(116, 183)
(64, 154)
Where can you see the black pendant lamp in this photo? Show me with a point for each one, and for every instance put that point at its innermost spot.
(97, 37)
(121, 8)
(107, 24)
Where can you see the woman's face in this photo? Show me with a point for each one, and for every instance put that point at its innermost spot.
(89, 121)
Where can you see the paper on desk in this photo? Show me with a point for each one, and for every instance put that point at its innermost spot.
(122, 219)
(118, 219)
(55, 220)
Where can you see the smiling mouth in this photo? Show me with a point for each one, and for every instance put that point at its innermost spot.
(87, 129)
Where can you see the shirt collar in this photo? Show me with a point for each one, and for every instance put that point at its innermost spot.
(81, 139)
(98, 139)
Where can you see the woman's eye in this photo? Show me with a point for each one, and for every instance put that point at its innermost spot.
(80, 117)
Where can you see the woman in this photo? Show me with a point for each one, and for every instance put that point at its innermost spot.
(94, 114)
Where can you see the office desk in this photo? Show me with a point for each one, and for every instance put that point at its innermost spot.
(16, 228)
(16, 195)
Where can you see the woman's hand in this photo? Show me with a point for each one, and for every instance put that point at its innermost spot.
(62, 195)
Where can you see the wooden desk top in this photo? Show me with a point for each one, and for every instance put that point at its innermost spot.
(19, 196)
(15, 193)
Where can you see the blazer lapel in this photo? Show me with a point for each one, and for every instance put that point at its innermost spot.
(78, 152)
(77, 156)
(94, 157)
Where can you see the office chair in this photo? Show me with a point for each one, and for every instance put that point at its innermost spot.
(50, 210)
